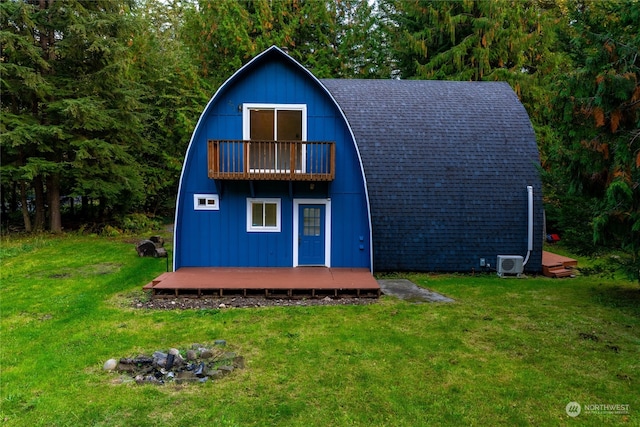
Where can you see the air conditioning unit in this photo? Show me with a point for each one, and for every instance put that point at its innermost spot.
(510, 264)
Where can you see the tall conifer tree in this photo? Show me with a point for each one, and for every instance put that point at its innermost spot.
(598, 105)
(71, 109)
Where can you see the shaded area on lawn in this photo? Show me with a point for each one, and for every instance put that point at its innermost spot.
(617, 297)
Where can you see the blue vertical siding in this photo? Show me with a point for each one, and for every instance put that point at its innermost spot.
(219, 238)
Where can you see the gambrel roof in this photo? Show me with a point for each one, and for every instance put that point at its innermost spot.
(447, 166)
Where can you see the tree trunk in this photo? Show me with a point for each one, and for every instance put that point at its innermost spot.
(46, 37)
(102, 208)
(84, 209)
(3, 201)
(53, 191)
(39, 221)
(24, 208)
(13, 203)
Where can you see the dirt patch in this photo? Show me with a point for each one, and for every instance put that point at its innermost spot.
(83, 271)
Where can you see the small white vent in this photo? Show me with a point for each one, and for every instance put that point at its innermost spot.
(510, 264)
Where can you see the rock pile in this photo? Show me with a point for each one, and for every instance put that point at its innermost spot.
(185, 303)
(200, 363)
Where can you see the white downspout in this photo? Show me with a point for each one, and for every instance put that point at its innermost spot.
(530, 224)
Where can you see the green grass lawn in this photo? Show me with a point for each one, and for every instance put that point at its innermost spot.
(507, 352)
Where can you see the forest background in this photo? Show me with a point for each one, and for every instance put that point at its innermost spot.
(99, 98)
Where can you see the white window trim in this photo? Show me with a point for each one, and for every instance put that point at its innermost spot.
(327, 225)
(215, 206)
(246, 126)
(246, 129)
(262, 229)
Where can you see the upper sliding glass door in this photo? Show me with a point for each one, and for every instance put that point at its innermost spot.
(277, 130)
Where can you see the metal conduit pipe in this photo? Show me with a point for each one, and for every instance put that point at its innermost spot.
(530, 223)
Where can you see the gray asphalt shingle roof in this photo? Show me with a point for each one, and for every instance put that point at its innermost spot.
(447, 165)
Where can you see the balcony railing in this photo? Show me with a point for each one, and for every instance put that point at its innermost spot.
(272, 160)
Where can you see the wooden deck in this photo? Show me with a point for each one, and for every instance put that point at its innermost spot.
(299, 282)
(554, 265)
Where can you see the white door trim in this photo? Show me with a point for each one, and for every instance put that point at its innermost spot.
(327, 227)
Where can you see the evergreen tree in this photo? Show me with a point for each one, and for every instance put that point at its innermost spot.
(598, 107)
(469, 40)
(501, 40)
(332, 39)
(174, 94)
(23, 67)
(217, 37)
(72, 128)
(361, 40)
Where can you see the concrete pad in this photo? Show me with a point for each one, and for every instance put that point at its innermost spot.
(406, 290)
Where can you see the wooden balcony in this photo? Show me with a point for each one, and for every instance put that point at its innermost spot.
(272, 160)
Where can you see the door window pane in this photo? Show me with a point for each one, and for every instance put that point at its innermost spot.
(262, 128)
(289, 129)
(311, 222)
(262, 125)
(289, 125)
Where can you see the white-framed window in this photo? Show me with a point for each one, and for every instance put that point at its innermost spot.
(263, 215)
(274, 123)
(206, 202)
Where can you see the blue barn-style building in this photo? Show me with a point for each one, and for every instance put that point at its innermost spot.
(286, 170)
